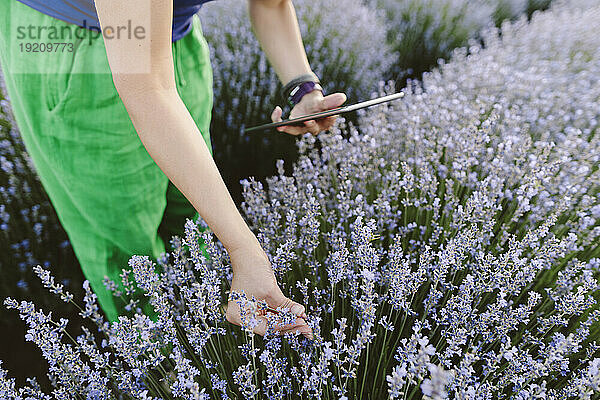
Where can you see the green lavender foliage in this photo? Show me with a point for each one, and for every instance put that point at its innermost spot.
(345, 45)
(535, 5)
(507, 10)
(424, 31)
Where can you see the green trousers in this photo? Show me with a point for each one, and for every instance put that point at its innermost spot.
(110, 196)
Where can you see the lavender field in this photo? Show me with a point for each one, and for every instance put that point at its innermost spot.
(446, 246)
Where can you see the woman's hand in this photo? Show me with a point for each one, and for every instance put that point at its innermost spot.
(254, 276)
(311, 103)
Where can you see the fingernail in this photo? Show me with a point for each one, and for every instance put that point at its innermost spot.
(296, 309)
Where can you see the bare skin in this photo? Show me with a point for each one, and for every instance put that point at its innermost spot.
(146, 85)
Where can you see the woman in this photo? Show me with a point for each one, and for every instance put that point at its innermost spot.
(117, 127)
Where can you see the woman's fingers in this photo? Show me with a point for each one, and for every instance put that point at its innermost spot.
(233, 316)
(314, 127)
(326, 123)
(276, 114)
(333, 100)
(292, 130)
(295, 308)
(299, 310)
(303, 329)
(300, 325)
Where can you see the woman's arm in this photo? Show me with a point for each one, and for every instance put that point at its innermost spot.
(161, 119)
(275, 25)
(174, 142)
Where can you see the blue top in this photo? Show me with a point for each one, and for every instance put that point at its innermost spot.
(83, 13)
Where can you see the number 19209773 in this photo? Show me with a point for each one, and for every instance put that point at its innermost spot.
(41, 47)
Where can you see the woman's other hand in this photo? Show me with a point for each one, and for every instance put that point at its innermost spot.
(254, 276)
(311, 103)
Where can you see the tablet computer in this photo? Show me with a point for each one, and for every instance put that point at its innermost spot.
(334, 111)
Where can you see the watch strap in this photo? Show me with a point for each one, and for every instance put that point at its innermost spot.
(299, 91)
(291, 85)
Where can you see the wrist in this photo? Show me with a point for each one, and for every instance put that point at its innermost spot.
(247, 256)
(245, 242)
(296, 88)
(302, 91)
(310, 96)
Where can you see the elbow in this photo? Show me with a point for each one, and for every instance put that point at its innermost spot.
(135, 86)
(142, 95)
(268, 3)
